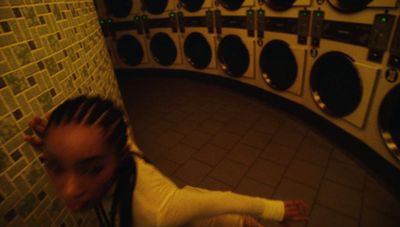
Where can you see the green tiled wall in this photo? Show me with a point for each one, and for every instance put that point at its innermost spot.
(50, 50)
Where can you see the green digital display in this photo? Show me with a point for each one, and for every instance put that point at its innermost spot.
(384, 19)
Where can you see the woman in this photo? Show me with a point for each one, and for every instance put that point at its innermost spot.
(89, 160)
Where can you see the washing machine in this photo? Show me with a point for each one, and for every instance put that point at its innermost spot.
(161, 31)
(234, 25)
(346, 61)
(282, 46)
(354, 6)
(198, 39)
(383, 125)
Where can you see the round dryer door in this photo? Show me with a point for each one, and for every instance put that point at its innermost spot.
(279, 5)
(155, 6)
(389, 120)
(335, 84)
(233, 55)
(192, 6)
(231, 4)
(163, 49)
(130, 50)
(278, 65)
(119, 8)
(197, 50)
(346, 6)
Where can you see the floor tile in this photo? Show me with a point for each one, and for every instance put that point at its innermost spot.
(266, 172)
(372, 218)
(288, 138)
(348, 175)
(341, 155)
(166, 166)
(210, 154)
(244, 154)
(193, 172)
(237, 126)
(278, 153)
(179, 153)
(311, 152)
(256, 139)
(185, 127)
(268, 124)
(291, 190)
(225, 140)
(340, 198)
(324, 217)
(212, 184)
(175, 116)
(229, 172)
(169, 139)
(251, 187)
(210, 126)
(196, 139)
(306, 173)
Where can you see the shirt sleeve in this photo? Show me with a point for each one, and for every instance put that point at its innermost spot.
(190, 203)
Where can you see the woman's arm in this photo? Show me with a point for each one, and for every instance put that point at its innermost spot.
(189, 203)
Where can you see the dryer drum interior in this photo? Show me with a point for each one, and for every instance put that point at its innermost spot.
(279, 5)
(130, 50)
(389, 120)
(155, 6)
(346, 6)
(163, 49)
(335, 84)
(233, 55)
(231, 4)
(192, 6)
(197, 50)
(119, 8)
(278, 65)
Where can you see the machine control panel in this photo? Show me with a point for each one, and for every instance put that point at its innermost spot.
(317, 26)
(218, 21)
(139, 25)
(250, 22)
(174, 21)
(379, 36)
(181, 22)
(260, 23)
(394, 59)
(303, 26)
(210, 21)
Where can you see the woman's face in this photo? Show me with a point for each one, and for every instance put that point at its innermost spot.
(80, 164)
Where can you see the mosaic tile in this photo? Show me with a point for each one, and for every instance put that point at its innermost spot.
(8, 129)
(56, 12)
(4, 68)
(35, 172)
(5, 185)
(16, 81)
(17, 114)
(16, 168)
(7, 39)
(5, 161)
(3, 108)
(17, 31)
(45, 219)
(6, 13)
(23, 53)
(51, 65)
(17, 2)
(45, 101)
(27, 152)
(30, 16)
(40, 9)
(26, 205)
(17, 12)
(14, 143)
(21, 185)
(5, 26)
(54, 42)
(32, 92)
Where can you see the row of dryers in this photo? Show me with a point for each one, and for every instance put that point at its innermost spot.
(340, 59)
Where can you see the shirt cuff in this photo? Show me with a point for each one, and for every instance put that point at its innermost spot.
(274, 210)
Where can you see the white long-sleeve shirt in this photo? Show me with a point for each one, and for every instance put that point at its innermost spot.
(157, 201)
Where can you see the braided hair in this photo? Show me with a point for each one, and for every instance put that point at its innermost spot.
(97, 111)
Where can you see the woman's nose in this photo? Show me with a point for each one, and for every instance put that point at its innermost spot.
(72, 188)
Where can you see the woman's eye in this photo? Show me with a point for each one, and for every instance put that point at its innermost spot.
(94, 171)
(52, 167)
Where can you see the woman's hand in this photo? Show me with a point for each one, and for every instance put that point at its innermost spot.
(38, 125)
(296, 210)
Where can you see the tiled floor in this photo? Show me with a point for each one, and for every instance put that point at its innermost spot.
(210, 136)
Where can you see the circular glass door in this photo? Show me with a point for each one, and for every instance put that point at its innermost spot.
(335, 84)
(155, 6)
(192, 6)
(347, 6)
(389, 121)
(278, 65)
(231, 4)
(163, 49)
(130, 50)
(197, 50)
(279, 5)
(119, 8)
(233, 55)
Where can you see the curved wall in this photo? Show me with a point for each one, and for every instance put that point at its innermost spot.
(338, 54)
(48, 52)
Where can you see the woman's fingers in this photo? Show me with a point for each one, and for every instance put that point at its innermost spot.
(34, 140)
(38, 125)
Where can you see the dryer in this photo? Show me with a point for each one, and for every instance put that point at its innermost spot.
(344, 64)
(198, 39)
(281, 50)
(235, 21)
(161, 32)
